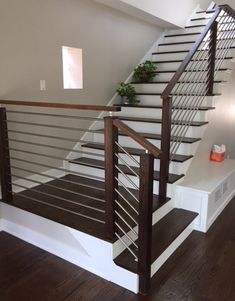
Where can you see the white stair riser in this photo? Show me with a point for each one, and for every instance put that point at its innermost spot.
(169, 56)
(221, 75)
(100, 173)
(175, 167)
(202, 15)
(187, 38)
(193, 131)
(198, 22)
(181, 56)
(182, 87)
(156, 113)
(152, 100)
(174, 66)
(185, 148)
(186, 30)
(175, 47)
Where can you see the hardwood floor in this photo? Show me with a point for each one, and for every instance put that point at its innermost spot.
(202, 269)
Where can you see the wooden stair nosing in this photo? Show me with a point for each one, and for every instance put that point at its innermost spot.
(179, 82)
(201, 18)
(174, 71)
(181, 34)
(180, 61)
(203, 108)
(176, 43)
(195, 26)
(137, 152)
(164, 234)
(100, 164)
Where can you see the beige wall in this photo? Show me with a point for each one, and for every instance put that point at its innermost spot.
(32, 33)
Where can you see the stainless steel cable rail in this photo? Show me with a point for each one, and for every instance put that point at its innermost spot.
(37, 171)
(192, 82)
(129, 193)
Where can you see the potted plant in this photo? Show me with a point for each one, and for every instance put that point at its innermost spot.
(127, 93)
(145, 72)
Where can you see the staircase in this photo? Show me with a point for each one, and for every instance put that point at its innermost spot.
(121, 175)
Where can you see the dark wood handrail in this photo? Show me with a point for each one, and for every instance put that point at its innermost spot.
(137, 137)
(60, 105)
(166, 93)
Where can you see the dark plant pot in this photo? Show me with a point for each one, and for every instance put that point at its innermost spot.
(124, 100)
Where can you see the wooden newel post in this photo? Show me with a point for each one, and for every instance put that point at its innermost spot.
(145, 221)
(5, 169)
(212, 58)
(165, 147)
(111, 174)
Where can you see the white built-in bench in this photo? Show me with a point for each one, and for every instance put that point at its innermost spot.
(207, 190)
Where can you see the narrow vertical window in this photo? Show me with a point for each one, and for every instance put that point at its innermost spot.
(72, 68)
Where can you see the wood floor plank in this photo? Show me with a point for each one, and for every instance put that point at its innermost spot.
(202, 269)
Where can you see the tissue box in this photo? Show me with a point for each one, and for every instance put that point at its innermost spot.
(217, 157)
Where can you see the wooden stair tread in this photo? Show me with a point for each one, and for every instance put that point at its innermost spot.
(179, 82)
(182, 34)
(195, 26)
(160, 107)
(100, 164)
(136, 151)
(168, 52)
(200, 18)
(188, 140)
(163, 234)
(180, 61)
(52, 208)
(187, 70)
(157, 120)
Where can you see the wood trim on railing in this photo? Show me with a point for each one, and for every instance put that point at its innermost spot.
(5, 168)
(165, 147)
(145, 222)
(212, 58)
(60, 105)
(137, 137)
(166, 93)
(111, 174)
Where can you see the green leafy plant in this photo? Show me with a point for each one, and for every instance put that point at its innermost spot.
(145, 72)
(127, 91)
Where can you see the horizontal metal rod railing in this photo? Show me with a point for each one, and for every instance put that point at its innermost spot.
(62, 180)
(56, 168)
(60, 189)
(58, 207)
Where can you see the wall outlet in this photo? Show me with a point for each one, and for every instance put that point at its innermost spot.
(42, 85)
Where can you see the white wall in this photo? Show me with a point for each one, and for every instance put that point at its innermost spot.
(221, 128)
(176, 12)
(171, 13)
